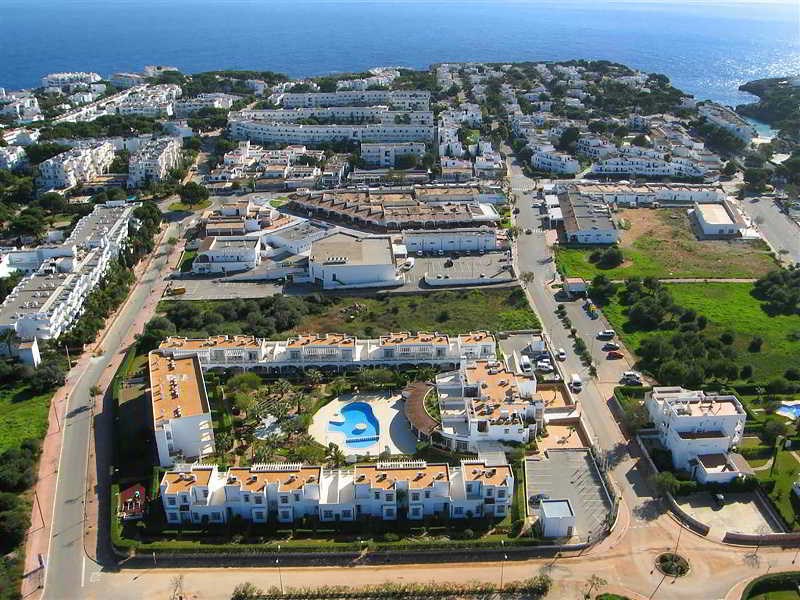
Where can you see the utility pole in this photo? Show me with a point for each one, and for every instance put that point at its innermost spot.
(278, 562)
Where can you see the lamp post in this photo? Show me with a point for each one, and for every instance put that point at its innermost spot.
(502, 562)
(278, 562)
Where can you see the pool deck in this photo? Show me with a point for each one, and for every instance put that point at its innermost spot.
(394, 431)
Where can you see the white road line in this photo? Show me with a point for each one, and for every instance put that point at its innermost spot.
(83, 571)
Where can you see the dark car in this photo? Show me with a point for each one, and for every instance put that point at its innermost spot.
(614, 355)
(610, 346)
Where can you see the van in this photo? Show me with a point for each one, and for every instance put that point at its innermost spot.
(525, 364)
(575, 382)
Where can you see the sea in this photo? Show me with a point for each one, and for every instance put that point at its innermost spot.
(707, 48)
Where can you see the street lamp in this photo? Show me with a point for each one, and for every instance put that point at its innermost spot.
(502, 563)
(278, 563)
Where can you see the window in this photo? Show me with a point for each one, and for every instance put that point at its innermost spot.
(347, 514)
(172, 516)
(184, 499)
(416, 511)
(284, 499)
(246, 497)
(501, 493)
(195, 516)
(297, 497)
(171, 501)
(506, 430)
(216, 516)
(489, 492)
(469, 488)
(377, 495)
(259, 515)
(390, 497)
(205, 493)
(427, 494)
(415, 497)
(389, 512)
(258, 499)
(458, 510)
(327, 514)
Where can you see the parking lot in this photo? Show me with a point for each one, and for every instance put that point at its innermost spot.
(217, 289)
(571, 475)
(489, 268)
(740, 513)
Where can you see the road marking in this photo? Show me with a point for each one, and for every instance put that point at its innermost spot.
(83, 571)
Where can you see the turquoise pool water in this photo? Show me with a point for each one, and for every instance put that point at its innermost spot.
(359, 425)
(789, 410)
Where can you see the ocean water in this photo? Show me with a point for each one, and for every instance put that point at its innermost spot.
(706, 48)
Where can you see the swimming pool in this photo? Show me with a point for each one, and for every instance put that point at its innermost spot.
(358, 424)
(789, 410)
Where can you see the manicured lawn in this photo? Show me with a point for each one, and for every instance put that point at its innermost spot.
(180, 206)
(23, 416)
(785, 473)
(660, 243)
(729, 307)
(187, 260)
(781, 595)
(756, 453)
(448, 311)
(278, 202)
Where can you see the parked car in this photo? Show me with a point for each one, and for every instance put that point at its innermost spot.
(561, 354)
(575, 382)
(535, 499)
(606, 334)
(525, 364)
(610, 346)
(408, 264)
(545, 366)
(615, 355)
(719, 500)
(528, 231)
(631, 378)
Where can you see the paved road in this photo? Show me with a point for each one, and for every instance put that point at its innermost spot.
(779, 230)
(67, 568)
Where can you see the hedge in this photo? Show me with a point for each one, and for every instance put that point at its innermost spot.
(777, 582)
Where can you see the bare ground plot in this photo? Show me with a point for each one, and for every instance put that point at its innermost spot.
(662, 243)
(741, 513)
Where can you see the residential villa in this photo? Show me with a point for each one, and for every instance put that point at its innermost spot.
(699, 430)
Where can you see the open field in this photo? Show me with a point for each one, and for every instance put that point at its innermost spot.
(660, 243)
(729, 307)
(448, 312)
(23, 415)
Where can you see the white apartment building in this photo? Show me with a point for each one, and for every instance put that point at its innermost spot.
(288, 492)
(82, 163)
(127, 80)
(647, 167)
(12, 157)
(21, 106)
(148, 101)
(403, 99)
(339, 115)
(227, 255)
(645, 194)
(69, 79)
(385, 155)
(333, 351)
(699, 430)
(489, 165)
(484, 401)
(587, 221)
(594, 147)
(153, 161)
(189, 106)
(181, 412)
(548, 159)
(290, 133)
(727, 119)
(46, 303)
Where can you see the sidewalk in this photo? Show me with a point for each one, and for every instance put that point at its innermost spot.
(44, 492)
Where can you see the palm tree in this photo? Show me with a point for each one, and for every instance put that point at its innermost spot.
(338, 385)
(426, 373)
(334, 455)
(314, 376)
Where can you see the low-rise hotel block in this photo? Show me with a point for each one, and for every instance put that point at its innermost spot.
(290, 133)
(386, 155)
(288, 492)
(82, 163)
(587, 221)
(399, 99)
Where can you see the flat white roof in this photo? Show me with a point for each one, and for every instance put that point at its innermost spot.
(556, 508)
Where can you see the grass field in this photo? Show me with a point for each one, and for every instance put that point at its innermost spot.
(660, 243)
(180, 206)
(729, 307)
(446, 311)
(186, 260)
(784, 473)
(22, 416)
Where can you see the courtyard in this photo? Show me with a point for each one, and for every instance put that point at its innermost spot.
(741, 513)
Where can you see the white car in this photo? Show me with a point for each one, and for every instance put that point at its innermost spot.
(544, 366)
(561, 354)
(408, 264)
